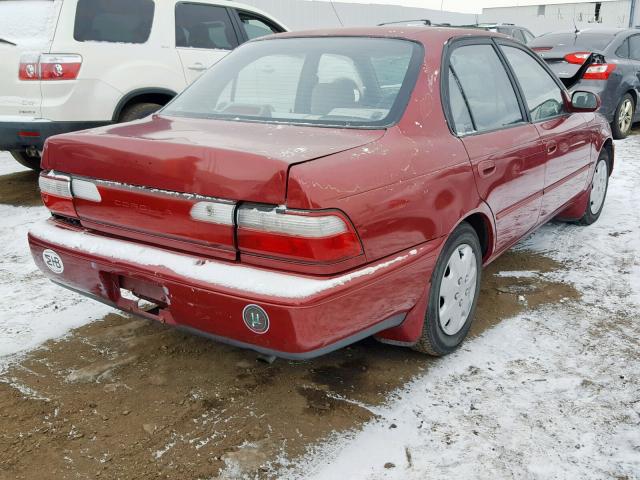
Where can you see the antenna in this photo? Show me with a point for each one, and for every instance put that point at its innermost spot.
(336, 12)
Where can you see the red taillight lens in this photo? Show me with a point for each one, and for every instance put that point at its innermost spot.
(316, 237)
(56, 193)
(599, 71)
(577, 58)
(49, 67)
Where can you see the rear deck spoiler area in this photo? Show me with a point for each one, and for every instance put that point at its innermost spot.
(591, 59)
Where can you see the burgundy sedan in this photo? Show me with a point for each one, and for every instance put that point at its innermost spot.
(316, 188)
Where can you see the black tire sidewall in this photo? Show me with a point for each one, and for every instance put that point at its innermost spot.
(615, 129)
(439, 340)
(138, 111)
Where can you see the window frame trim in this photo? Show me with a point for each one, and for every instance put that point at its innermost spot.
(231, 22)
(235, 14)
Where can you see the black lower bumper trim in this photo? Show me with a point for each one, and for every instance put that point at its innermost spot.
(22, 135)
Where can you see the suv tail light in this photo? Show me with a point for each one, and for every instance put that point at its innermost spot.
(49, 67)
(599, 71)
(317, 237)
(577, 58)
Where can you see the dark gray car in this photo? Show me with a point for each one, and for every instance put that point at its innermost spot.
(603, 61)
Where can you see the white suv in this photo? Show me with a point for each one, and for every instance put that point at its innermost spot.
(67, 65)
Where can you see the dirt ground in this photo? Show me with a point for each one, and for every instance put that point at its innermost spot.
(128, 398)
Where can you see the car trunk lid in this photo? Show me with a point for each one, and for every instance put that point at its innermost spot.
(153, 173)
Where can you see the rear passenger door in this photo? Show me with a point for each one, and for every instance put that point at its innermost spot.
(204, 35)
(566, 142)
(505, 150)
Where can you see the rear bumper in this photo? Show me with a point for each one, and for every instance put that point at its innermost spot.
(308, 316)
(18, 134)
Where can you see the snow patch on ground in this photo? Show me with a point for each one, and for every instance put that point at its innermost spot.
(33, 310)
(9, 165)
(552, 393)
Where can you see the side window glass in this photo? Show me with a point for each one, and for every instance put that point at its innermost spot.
(634, 47)
(528, 36)
(623, 50)
(255, 27)
(204, 26)
(458, 107)
(117, 21)
(542, 94)
(486, 86)
(518, 35)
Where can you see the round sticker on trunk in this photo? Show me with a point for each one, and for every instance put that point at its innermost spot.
(255, 318)
(53, 261)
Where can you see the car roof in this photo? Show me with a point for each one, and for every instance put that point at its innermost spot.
(420, 34)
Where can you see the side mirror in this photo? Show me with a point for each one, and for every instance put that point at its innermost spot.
(582, 101)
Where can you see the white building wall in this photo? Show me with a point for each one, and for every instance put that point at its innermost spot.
(562, 16)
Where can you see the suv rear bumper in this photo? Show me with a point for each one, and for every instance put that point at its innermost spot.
(308, 316)
(19, 134)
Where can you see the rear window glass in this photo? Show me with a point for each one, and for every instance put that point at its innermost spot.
(358, 82)
(27, 22)
(116, 21)
(587, 40)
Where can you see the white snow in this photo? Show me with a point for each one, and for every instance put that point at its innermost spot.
(235, 277)
(550, 394)
(33, 310)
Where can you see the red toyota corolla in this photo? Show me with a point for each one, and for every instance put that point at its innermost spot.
(316, 188)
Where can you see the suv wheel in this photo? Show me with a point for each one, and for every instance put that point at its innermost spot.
(453, 296)
(138, 111)
(623, 117)
(27, 160)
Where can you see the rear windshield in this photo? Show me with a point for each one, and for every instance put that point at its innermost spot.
(356, 82)
(585, 40)
(116, 21)
(26, 22)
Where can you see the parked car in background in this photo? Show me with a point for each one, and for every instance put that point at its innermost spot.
(315, 188)
(74, 64)
(603, 61)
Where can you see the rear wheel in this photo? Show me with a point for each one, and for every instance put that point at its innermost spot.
(28, 160)
(599, 187)
(623, 117)
(455, 284)
(138, 111)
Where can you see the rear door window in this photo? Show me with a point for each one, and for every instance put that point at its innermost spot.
(255, 26)
(486, 86)
(115, 21)
(204, 26)
(462, 122)
(623, 50)
(542, 94)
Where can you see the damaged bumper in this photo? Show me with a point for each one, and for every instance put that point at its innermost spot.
(306, 316)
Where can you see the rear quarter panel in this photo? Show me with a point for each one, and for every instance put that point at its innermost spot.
(413, 185)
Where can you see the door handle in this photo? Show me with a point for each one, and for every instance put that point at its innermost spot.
(552, 147)
(198, 67)
(486, 168)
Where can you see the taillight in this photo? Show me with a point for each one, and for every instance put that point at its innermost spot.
(577, 58)
(540, 49)
(308, 236)
(49, 67)
(56, 193)
(599, 71)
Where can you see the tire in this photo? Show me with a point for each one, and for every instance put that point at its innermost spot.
(451, 308)
(623, 117)
(29, 161)
(599, 188)
(138, 111)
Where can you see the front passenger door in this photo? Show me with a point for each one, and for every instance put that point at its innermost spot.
(506, 154)
(566, 141)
